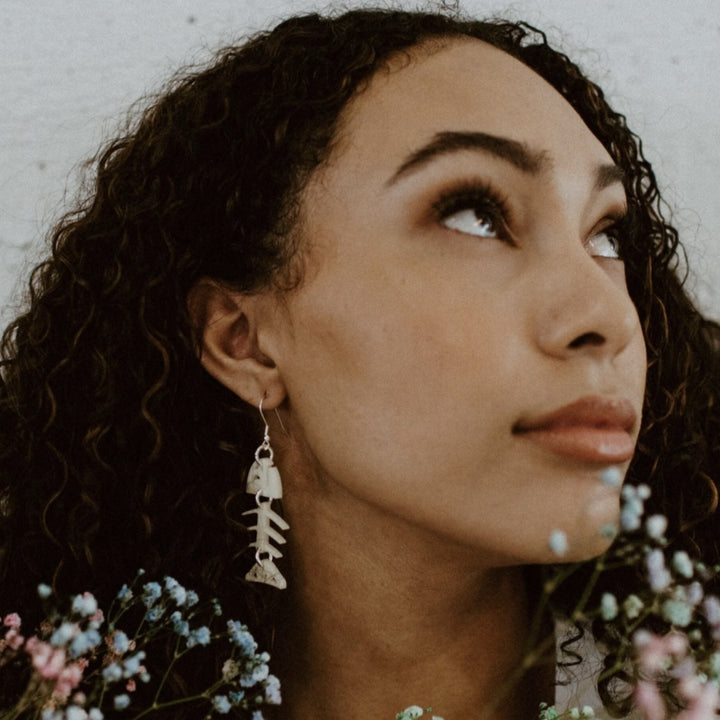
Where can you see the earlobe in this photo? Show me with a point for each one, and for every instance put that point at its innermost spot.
(226, 325)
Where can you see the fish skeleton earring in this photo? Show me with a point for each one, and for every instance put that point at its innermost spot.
(263, 481)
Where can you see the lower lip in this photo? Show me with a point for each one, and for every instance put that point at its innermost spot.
(591, 444)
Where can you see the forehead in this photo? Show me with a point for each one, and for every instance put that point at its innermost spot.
(460, 85)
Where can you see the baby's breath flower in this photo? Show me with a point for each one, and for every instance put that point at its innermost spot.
(95, 714)
(612, 477)
(85, 641)
(658, 576)
(655, 526)
(64, 634)
(221, 704)
(120, 702)
(176, 591)
(181, 626)
(241, 637)
(151, 593)
(632, 605)
(608, 606)
(677, 611)
(191, 598)
(44, 591)
(272, 690)
(712, 609)
(73, 712)
(125, 595)
(548, 712)
(84, 605)
(695, 593)
(558, 542)
(154, 613)
(131, 666)
(410, 713)
(199, 636)
(112, 673)
(120, 642)
(681, 564)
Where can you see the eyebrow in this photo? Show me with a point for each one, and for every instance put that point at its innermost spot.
(516, 153)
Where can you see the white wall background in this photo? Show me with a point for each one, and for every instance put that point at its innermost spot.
(69, 69)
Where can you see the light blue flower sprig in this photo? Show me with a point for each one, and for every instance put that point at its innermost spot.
(85, 665)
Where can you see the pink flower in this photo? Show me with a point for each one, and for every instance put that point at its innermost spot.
(12, 621)
(47, 660)
(649, 700)
(68, 679)
(130, 687)
(13, 639)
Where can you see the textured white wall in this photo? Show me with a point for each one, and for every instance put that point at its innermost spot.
(70, 68)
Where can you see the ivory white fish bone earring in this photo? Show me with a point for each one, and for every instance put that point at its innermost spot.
(263, 481)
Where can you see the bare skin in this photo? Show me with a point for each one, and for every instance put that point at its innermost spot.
(436, 330)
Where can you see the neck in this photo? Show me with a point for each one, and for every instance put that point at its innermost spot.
(380, 617)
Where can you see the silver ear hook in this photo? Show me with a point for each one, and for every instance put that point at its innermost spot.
(277, 414)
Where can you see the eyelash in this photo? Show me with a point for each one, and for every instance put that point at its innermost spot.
(480, 197)
(486, 200)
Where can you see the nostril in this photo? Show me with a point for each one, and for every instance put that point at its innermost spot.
(591, 338)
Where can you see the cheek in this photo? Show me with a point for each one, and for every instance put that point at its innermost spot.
(386, 386)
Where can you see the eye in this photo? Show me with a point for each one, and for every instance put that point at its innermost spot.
(473, 210)
(472, 222)
(604, 244)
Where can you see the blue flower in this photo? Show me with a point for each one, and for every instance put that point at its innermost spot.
(200, 636)
(63, 634)
(236, 696)
(120, 642)
(125, 594)
(95, 714)
(151, 593)
(176, 591)
(84, 605)
(73, 712)
(131, 666)
(121, 702)
(154, 613)
(221, 704)
(180, 627)
(85, 641)
(191, 599)
(44, 591)
(242, 638)
(272, 690)
(112, 673)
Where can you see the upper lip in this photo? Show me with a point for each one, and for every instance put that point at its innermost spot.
(592, 411)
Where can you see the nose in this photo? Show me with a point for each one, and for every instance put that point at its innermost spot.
(583, 307)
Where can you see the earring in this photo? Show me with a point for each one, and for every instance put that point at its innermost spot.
(263, 481)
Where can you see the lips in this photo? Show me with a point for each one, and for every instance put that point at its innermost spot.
(591, 429)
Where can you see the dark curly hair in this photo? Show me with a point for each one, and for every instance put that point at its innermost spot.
(118, 451)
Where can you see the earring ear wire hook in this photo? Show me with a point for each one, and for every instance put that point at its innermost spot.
(277, 414)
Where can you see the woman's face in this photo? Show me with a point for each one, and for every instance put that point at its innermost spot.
(463, 356)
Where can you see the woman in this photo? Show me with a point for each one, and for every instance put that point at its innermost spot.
(426, 253)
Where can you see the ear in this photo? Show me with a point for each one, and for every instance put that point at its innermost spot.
(226, 323)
